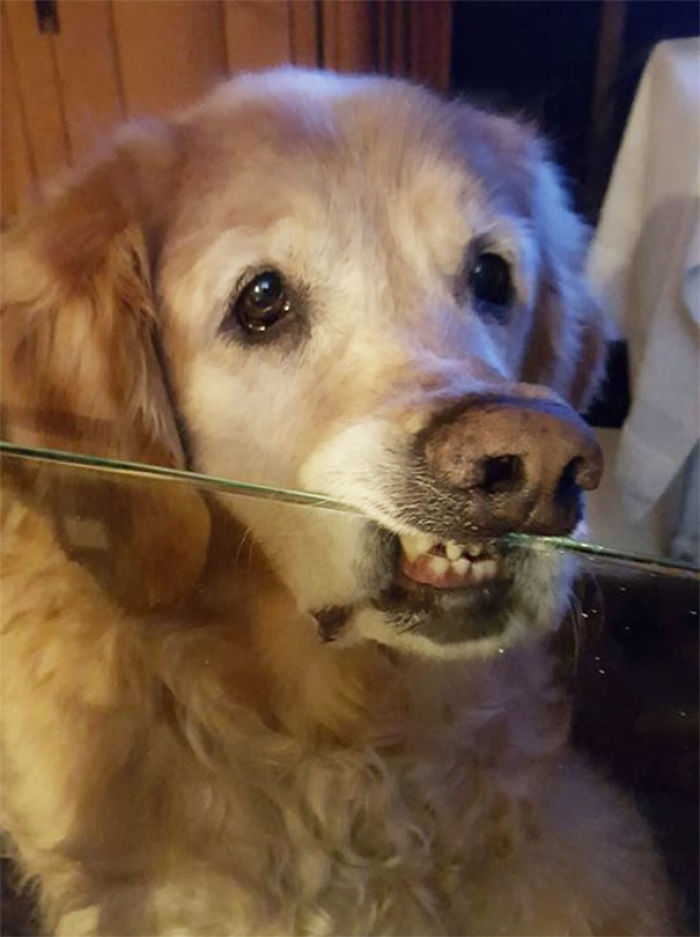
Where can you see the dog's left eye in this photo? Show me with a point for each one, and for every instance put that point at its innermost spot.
(490, 281)
(263, 302)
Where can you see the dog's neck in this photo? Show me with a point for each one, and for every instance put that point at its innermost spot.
(296, 683)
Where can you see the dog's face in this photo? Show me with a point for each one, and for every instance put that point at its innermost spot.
(361, 291)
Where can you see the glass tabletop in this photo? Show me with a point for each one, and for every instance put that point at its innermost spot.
(629, 559)
(628, 645)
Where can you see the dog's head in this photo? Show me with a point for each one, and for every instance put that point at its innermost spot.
(338, 284)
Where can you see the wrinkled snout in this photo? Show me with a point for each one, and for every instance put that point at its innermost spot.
(514, 463)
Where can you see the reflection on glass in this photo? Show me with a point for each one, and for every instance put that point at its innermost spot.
(193, 617)
(310, 499)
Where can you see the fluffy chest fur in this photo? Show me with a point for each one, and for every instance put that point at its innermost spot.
(243, 811)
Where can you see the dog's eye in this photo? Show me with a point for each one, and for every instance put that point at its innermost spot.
(262, 302)
(490, 281)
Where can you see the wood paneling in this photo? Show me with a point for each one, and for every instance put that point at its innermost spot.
(112, 59)
(87, 71)
(258, 34)
(404, 38)
(392, 35)
(169, 53)
(38, 89)
(349, 35)
(305, 32)
(17, 174)
(613, 16)
(430, 31)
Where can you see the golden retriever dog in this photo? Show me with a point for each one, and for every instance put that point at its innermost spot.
(228, 715)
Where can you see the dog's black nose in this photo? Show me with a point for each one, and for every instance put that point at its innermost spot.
(520, 463)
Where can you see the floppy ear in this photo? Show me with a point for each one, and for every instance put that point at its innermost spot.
(82, 371)
(568, 339)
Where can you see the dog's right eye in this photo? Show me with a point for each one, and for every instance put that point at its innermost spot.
(490, 280)
(262, 302)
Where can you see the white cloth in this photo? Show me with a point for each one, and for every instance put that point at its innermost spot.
(685, 545)
(645, 268)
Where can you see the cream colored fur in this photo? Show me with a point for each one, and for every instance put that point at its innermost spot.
(181, 753)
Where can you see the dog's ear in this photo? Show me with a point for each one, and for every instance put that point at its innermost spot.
(569, 336)
(567, 340)
(82, 369)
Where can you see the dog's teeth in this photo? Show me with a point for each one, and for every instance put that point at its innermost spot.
(452, 550)
(483, 570)
(438, 565)
(415, 544)
(449, 564)
(410, 549)
(425, 542)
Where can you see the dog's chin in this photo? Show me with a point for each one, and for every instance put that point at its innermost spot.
(442, 599)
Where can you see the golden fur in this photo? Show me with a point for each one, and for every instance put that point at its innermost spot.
(181, 753)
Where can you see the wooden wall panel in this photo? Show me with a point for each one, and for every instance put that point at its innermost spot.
(349, 35)
(392, 30)
(430, 32)
(38, 89)
(305, 32)
(112, 59)
(406, 38)
(169, 53)
(258, 34)
(17, 178)
(87, 70)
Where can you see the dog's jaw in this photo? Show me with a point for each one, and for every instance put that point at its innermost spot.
(345, 572)
(525, 597)
(412, 594)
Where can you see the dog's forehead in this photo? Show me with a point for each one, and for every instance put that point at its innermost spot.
(319, 147)
(370, 119)
(368, 186)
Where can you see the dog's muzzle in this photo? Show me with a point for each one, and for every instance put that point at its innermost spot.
(485, 466)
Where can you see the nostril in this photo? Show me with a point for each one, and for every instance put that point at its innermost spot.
(568, 480)
(501, 473)
(579, 473)
(568, 491)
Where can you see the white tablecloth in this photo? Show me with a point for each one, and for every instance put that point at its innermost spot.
(645, 268)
